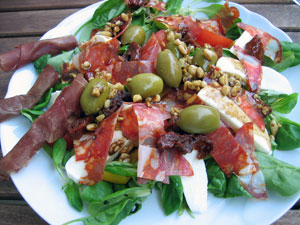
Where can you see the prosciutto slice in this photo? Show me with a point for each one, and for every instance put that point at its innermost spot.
(10, 107)
(29, 52)
(48, 127)
(254, 183)
(153, 164)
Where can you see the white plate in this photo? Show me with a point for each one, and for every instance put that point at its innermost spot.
(40, 184)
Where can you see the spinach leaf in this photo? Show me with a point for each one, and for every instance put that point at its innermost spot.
(121, 168)
(210, 11)
(293, 47)
(172, 195)
(288, 135)
(41, 62)
(59, 150)
(96, 192)
(119, 187)
(59, 86)
(48, 149)
(116, 198)
(279, 176)
(139, 16)
(227, 53)
(280, 102)
(71, 190)
(220, 185)
(173, 6)
(85, 31)
(107, 11)
(44, 100)
(31, 114)
(59, 60)
(234, 31)
(67, 156)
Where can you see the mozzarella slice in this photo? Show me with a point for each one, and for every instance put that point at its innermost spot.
(232, 66)
(195, 187)
(75, 169)
(98, 38)
(275, 81)
(234, 116)
(242, 40)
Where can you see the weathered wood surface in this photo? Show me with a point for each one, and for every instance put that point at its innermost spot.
(23, 21)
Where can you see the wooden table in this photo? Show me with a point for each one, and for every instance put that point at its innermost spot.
(27, 20)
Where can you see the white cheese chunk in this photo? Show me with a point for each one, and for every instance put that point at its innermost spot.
(232, 66)
(76, 169)
(195, 187)
(275, 81)
(54, 96)
(234, 116)
(242, 40)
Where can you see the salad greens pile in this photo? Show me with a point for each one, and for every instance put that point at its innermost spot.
(109, 203)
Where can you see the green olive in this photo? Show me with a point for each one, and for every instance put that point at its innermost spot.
(173, 47)
(198, 119)
(146, 85)
(168, 67)
(134, 34)
(92, 100)
(200, 60)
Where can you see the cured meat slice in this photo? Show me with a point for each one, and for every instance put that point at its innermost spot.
(271, 44)
(253, 68)
(29, 52)
(10, 107)
(48, 127)
(229, 155)
(254, 183)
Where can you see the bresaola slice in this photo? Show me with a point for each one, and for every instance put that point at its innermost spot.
(10, 107)
(48, 127)
(29, 52)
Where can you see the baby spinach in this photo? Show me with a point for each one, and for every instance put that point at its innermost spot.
(293, 47)
(172, 195)
(59, 150)
(220, 185)
(121, 168)
(41, 62)
(288, 135)
(96, 192)
(173, 6)
(234, 31)
(71, 190)
(280, 102)
(44, 100)
(31, 114)
(279, 176)
(210, 11)
(59, 60)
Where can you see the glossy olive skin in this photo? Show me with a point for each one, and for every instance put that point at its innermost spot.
(200, 60)
(198, 119)
(91, 104)
(173, 47)
(134, 34)
(168, 67)
(146, 85)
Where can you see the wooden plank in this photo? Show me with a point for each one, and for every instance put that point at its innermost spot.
(19, 213)
(9, 191)
(295, 36)
(292, 217)
(262, 1)
(17, 5)
(31, 23)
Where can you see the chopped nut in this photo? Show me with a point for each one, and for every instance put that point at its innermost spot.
(223, 80)
(235, 90)
(210, 54)
(107, 28)
(192, 69)
(156, 98)
(178, 35)
(118, 86)
(96, 92)
(265, 110)
(182, 49)
(225, 90)
(116, 29)
(118, 23)
(91, 127)
(86, 65)
(274, 127)
(203, 84)
(100, 118)
(137, 98)
(124, 156)
(124, 17)
(148, 101)
(170, 36)
(106, 103)
(186, 96)
(199, 72)
(107, 76)
(120, 118)
(178, 42)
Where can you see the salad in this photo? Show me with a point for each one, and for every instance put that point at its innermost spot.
(163, 110)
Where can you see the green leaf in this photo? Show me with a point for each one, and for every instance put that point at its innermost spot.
(123, 49)
(44, 100)
(119, 187)
(107, 11)
(282, 103)
(41, 62)
(293, 47)
(173, 6)
(279, 176)
(288, 135)
(139, 16)
(59, 150)
(73, 195)
(59, 60)
(59, 86)
(116, 198)
(234, 31)
(234, 188)
(228, 53)
(31, 114)
(172, 195)
(121, 168)
(96, 192)
(48, 150)
(85, 31)
(67, 156)
(210, 11)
